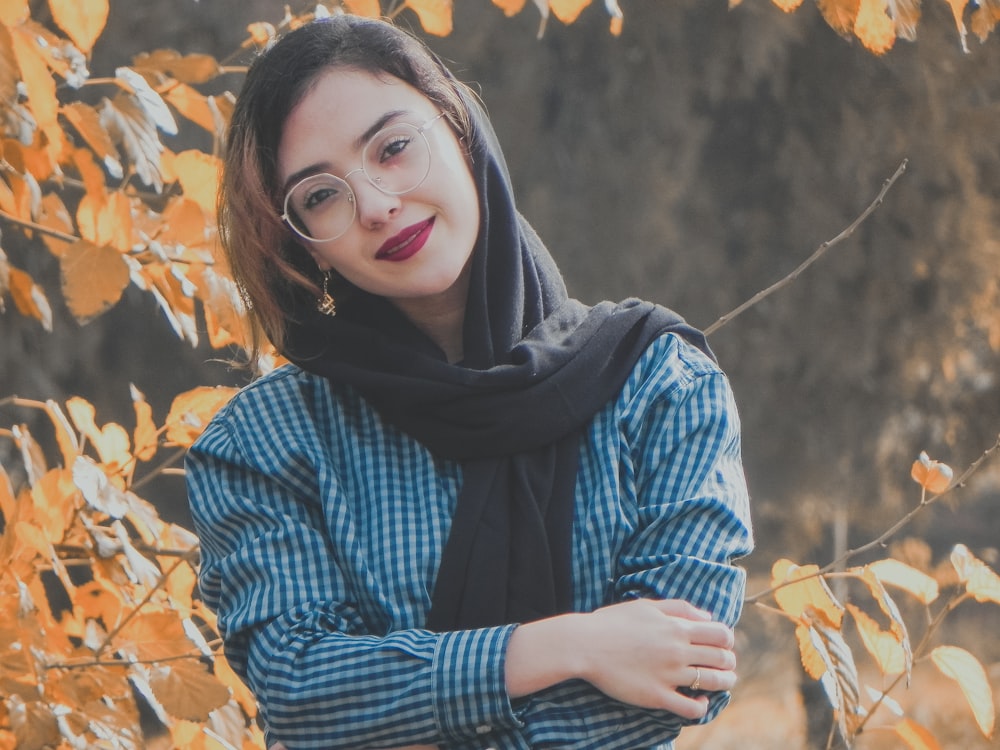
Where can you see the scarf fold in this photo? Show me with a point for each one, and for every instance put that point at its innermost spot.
(538, 365)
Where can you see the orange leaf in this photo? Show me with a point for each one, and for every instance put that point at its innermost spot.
(229, 678)
(933, 476)
(38, 81)
(985, 18)
(110, 441)
(192, 410)
(145, 437)
(916, 736)
(54, 215)
(369, 8)
(29, 298)
(261, 33)
(568, 11)
(192, 105)
(97, 600)
(840, 14)
(510, 7)
(154, 636)
(106, 220)
(91, 174)
(905, 16)
(906, 577)
(965, 669)
(874, 27)
(93, 279)
(810, 593)
(978, 577)
(13, 11)
(87, 123)
(187, 690)
(82, 20)
(788, 5)
(196, 68)
(198, 174)
(884, 646)
(434, 15)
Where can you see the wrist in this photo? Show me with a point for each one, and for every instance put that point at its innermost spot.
(544, 653)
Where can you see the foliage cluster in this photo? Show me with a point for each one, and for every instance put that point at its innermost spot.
(96, 591)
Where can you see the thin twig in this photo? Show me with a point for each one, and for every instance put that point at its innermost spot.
(38, 228)
(881, 539)
(817, 254)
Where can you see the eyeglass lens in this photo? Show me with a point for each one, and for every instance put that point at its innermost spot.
(395, 160)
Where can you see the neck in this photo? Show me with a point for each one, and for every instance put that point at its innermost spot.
(441, 318)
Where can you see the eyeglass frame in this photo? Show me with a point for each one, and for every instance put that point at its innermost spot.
(351, 197)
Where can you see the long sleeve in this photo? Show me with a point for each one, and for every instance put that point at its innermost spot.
(331, 651)
(662, 487)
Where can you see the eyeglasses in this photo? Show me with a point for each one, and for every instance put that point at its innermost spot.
(396, 160)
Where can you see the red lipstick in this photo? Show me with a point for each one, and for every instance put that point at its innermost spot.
(406, 243)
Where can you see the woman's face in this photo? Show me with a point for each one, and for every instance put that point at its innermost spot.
(414, 248)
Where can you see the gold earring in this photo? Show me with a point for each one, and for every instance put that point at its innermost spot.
(326, 304)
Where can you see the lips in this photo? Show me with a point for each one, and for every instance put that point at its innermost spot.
(406, 243)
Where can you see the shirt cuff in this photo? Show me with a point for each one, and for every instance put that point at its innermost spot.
(470, 686)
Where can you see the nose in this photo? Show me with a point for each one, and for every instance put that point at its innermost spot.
(374, 208)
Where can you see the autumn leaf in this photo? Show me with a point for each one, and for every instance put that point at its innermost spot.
(192, 410)
(826, 657)
(434, 15)
(82, 20)
(198, 174)
(54, 215)
(87, 122)
(368, 8)
(568, 11)
(111, 441)
(13, 12)
(978, 577)
(93, 279)
(194, 68)
(884, 646)
(965, 669)
(106, 220)
(510, 7)
(187, 690)
(932, 475)
(130, 128)
(192, 105)
(151, 636)
(38, 81)
(29, 298)
(145, 436)
(874, 27)
(899, 574)
(916, 736)
(802, 589)
(840, 14)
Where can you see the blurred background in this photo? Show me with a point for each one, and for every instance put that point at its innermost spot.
(694, 160)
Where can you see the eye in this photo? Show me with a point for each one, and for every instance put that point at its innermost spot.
(393, 147)
(319, 195)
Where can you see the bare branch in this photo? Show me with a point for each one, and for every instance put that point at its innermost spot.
(817, 254)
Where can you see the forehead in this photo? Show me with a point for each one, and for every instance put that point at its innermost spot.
(339, 107)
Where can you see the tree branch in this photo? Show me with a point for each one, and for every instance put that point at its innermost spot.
(817, 254)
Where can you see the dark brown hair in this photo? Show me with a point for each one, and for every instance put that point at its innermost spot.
(266, 261)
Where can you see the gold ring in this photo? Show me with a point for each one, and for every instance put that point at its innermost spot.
(697, 679)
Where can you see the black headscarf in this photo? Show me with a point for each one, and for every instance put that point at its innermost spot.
(537, 366)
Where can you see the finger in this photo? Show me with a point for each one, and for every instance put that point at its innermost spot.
(687, 707)
(708, 680)
(681, 608)
(712, 634)
(713, 658)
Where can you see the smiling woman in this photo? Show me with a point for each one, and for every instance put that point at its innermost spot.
(474, 512)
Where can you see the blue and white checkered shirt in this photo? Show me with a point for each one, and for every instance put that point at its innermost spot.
(322, 529)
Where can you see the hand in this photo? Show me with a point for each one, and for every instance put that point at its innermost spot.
(644, 651)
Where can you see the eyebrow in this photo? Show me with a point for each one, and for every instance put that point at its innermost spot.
(359, 143)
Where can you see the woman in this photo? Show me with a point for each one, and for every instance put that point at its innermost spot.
(474, 513)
